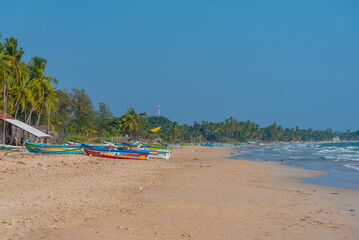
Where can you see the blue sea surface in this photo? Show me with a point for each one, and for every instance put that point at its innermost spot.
(340, 161)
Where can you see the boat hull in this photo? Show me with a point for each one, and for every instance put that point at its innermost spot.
(43, 148)
(130, 146)
(116, 154)
(165, 154)
(148, 147)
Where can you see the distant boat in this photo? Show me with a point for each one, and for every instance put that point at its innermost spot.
(211, 145)
(113, 153)
(61, 148)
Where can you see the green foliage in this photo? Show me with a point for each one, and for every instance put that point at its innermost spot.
(163, 122)
(82, 109)
(104, 116)
(75, 139)
(133, 123)
(63, 114)
(242, 139)
(175, 132)
(230, 130)
(154, 122)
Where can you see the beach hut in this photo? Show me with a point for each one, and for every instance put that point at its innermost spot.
(16, 130)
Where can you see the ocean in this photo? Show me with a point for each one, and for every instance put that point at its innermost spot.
(340, 161)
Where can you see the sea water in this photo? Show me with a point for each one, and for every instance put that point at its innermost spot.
(339, 161)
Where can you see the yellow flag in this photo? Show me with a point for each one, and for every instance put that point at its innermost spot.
(155, 129)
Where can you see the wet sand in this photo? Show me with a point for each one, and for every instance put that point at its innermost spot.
(197, 194)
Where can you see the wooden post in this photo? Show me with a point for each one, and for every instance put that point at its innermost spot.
(4, 135)
(48, 122)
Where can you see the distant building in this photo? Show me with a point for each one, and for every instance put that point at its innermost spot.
(336, 139)
(16, 130)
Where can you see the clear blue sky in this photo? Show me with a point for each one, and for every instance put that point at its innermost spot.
(289, 62)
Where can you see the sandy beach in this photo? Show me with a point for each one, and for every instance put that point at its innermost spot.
(200, 193)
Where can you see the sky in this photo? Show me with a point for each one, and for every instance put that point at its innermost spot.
(295, 63)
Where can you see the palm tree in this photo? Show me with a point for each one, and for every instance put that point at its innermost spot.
(41, 86)
(175, 131)
(4, 66)
(12, 69)
(23, 96)
(11, 48)
(131, 121)
(50, 106)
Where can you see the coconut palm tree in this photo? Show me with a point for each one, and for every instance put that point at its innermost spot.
(175, 131)
(22, 95)
(11, 48)
(40, 86)
(12, 69)
(131, 121)
(50, 106)
(4, 66)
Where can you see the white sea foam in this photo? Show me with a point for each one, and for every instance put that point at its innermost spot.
(331, 158)
(334, 150)
(353, 160)
(352, 166)
(353, 148)
(350, 155)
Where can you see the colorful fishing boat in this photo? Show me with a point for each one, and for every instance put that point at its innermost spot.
(155, 151)
(153, 147)
(131, 146)
(114, 153)
(44, 148)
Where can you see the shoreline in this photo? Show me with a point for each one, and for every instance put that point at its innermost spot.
(308, 142)
(334, 173)
(200, 193)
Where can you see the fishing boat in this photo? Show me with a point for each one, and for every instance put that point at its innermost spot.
(61, 148)
(211, 145)
(153, 147)
(157, 151)
(165, 154)
(114, 153)
(131, 146)
(113, 144)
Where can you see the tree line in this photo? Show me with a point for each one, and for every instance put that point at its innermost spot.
(76, 115)
(31, 96)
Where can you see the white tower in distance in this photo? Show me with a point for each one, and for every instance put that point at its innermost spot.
(159, 111)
